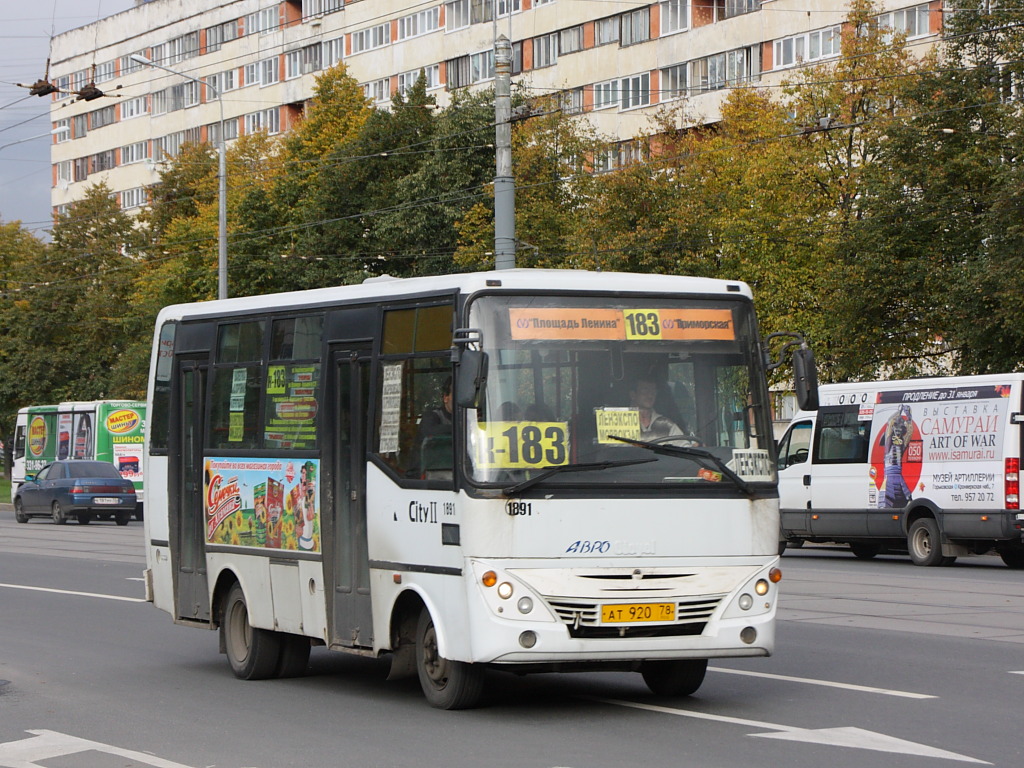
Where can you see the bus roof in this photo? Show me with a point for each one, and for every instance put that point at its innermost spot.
(516, 279)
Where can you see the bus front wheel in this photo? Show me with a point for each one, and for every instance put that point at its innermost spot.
(253, 653)
(446, 684)
(674, 678)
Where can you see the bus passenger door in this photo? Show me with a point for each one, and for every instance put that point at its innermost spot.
(352, 622)
(192, 595)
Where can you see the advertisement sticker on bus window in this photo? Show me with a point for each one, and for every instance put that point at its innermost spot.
(521, 444)
(38, 436)
(236, 427)
(291, 406)
(619, 325)
(253, 503)
(390, 408)
(621, 422)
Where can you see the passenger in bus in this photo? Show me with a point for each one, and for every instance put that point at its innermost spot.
(653, 425)
(538, 412)
(437, 420)
(509, 411)
(435, 457)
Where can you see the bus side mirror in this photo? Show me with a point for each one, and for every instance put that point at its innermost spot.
(805, 379)
(470, 377)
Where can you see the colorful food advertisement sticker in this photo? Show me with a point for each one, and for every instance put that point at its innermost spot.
(266, 504)
(655, 324)
(945, 442)
(38, 436)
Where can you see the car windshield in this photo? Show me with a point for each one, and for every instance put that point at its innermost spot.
(92, 469)
(568, 378)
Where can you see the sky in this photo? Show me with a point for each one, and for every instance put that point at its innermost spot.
(25, 175)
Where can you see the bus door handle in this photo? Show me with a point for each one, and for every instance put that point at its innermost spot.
(807, 479)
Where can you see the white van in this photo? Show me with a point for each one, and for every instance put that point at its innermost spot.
(926, 466)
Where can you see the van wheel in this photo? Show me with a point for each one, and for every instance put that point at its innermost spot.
(253, 653)
(865, 550)
(674, 678)
(1014, 558)
(446, 684)
(19, 512)
(925, 544)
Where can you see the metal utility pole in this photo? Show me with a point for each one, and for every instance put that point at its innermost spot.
(504, 184)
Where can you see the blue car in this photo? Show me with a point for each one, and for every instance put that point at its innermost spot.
(75, 488)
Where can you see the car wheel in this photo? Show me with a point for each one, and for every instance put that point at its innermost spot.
(57, 513)
(84, 518)
(122, 518)
(19, 512)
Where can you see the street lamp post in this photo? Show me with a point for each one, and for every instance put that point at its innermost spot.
(222, 177)
(54, 132)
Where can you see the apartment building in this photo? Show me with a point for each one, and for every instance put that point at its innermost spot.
(250, 65)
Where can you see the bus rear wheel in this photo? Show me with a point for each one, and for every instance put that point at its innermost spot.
(253, 653)
(924, 542)
(681, 677)
(446, 684)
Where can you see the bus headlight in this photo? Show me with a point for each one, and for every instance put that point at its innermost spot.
(745, 602)
(761, 587)
(525, 604)
(504, 590)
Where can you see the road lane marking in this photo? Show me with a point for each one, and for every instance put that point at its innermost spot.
(826, 683)
(46, 745)
(76, 594)
(855, 738)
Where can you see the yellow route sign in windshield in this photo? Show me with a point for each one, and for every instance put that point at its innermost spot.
(522, 444)
(577, 323)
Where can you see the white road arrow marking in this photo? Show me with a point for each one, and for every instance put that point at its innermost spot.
(77, 594)
(47, 745)
(837, 737)
(825, 683)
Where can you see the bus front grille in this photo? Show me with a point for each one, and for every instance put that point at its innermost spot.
(583, 618)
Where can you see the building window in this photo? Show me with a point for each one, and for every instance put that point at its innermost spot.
(545, 50)
(571, 102)
(102, 161)
(134, 107)
(606, 94)
(407, 80)
(79, 80)
(127, 65)
(81, 168)
(635, 27)
(268, 120)
(65, 172)
(371, 37)
(570, 40)
(740, 7)
(416, 24)
(378, 91)
(911, 21)
(723, 70)
(481, 66)
(673, 82)
(270, 72)
(675, 16)
(813, 46)
(221, 82)
(251, 74)
(184, 47)
(311, 8)
(263, 22)
(456, 15)
(230, 131)
(101, 117)
(302, 62)
(332, 51)
(606, 31)
(105, 71)
(135, 153)
(636, 91)
(63, 130)
(134, 198)
(219, 34)
(79, 126)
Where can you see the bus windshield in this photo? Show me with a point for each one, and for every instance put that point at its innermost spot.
(585, 392)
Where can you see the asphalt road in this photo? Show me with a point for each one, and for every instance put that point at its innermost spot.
(878, 663)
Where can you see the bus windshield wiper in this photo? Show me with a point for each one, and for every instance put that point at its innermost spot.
(702, 457)
(586, 467)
